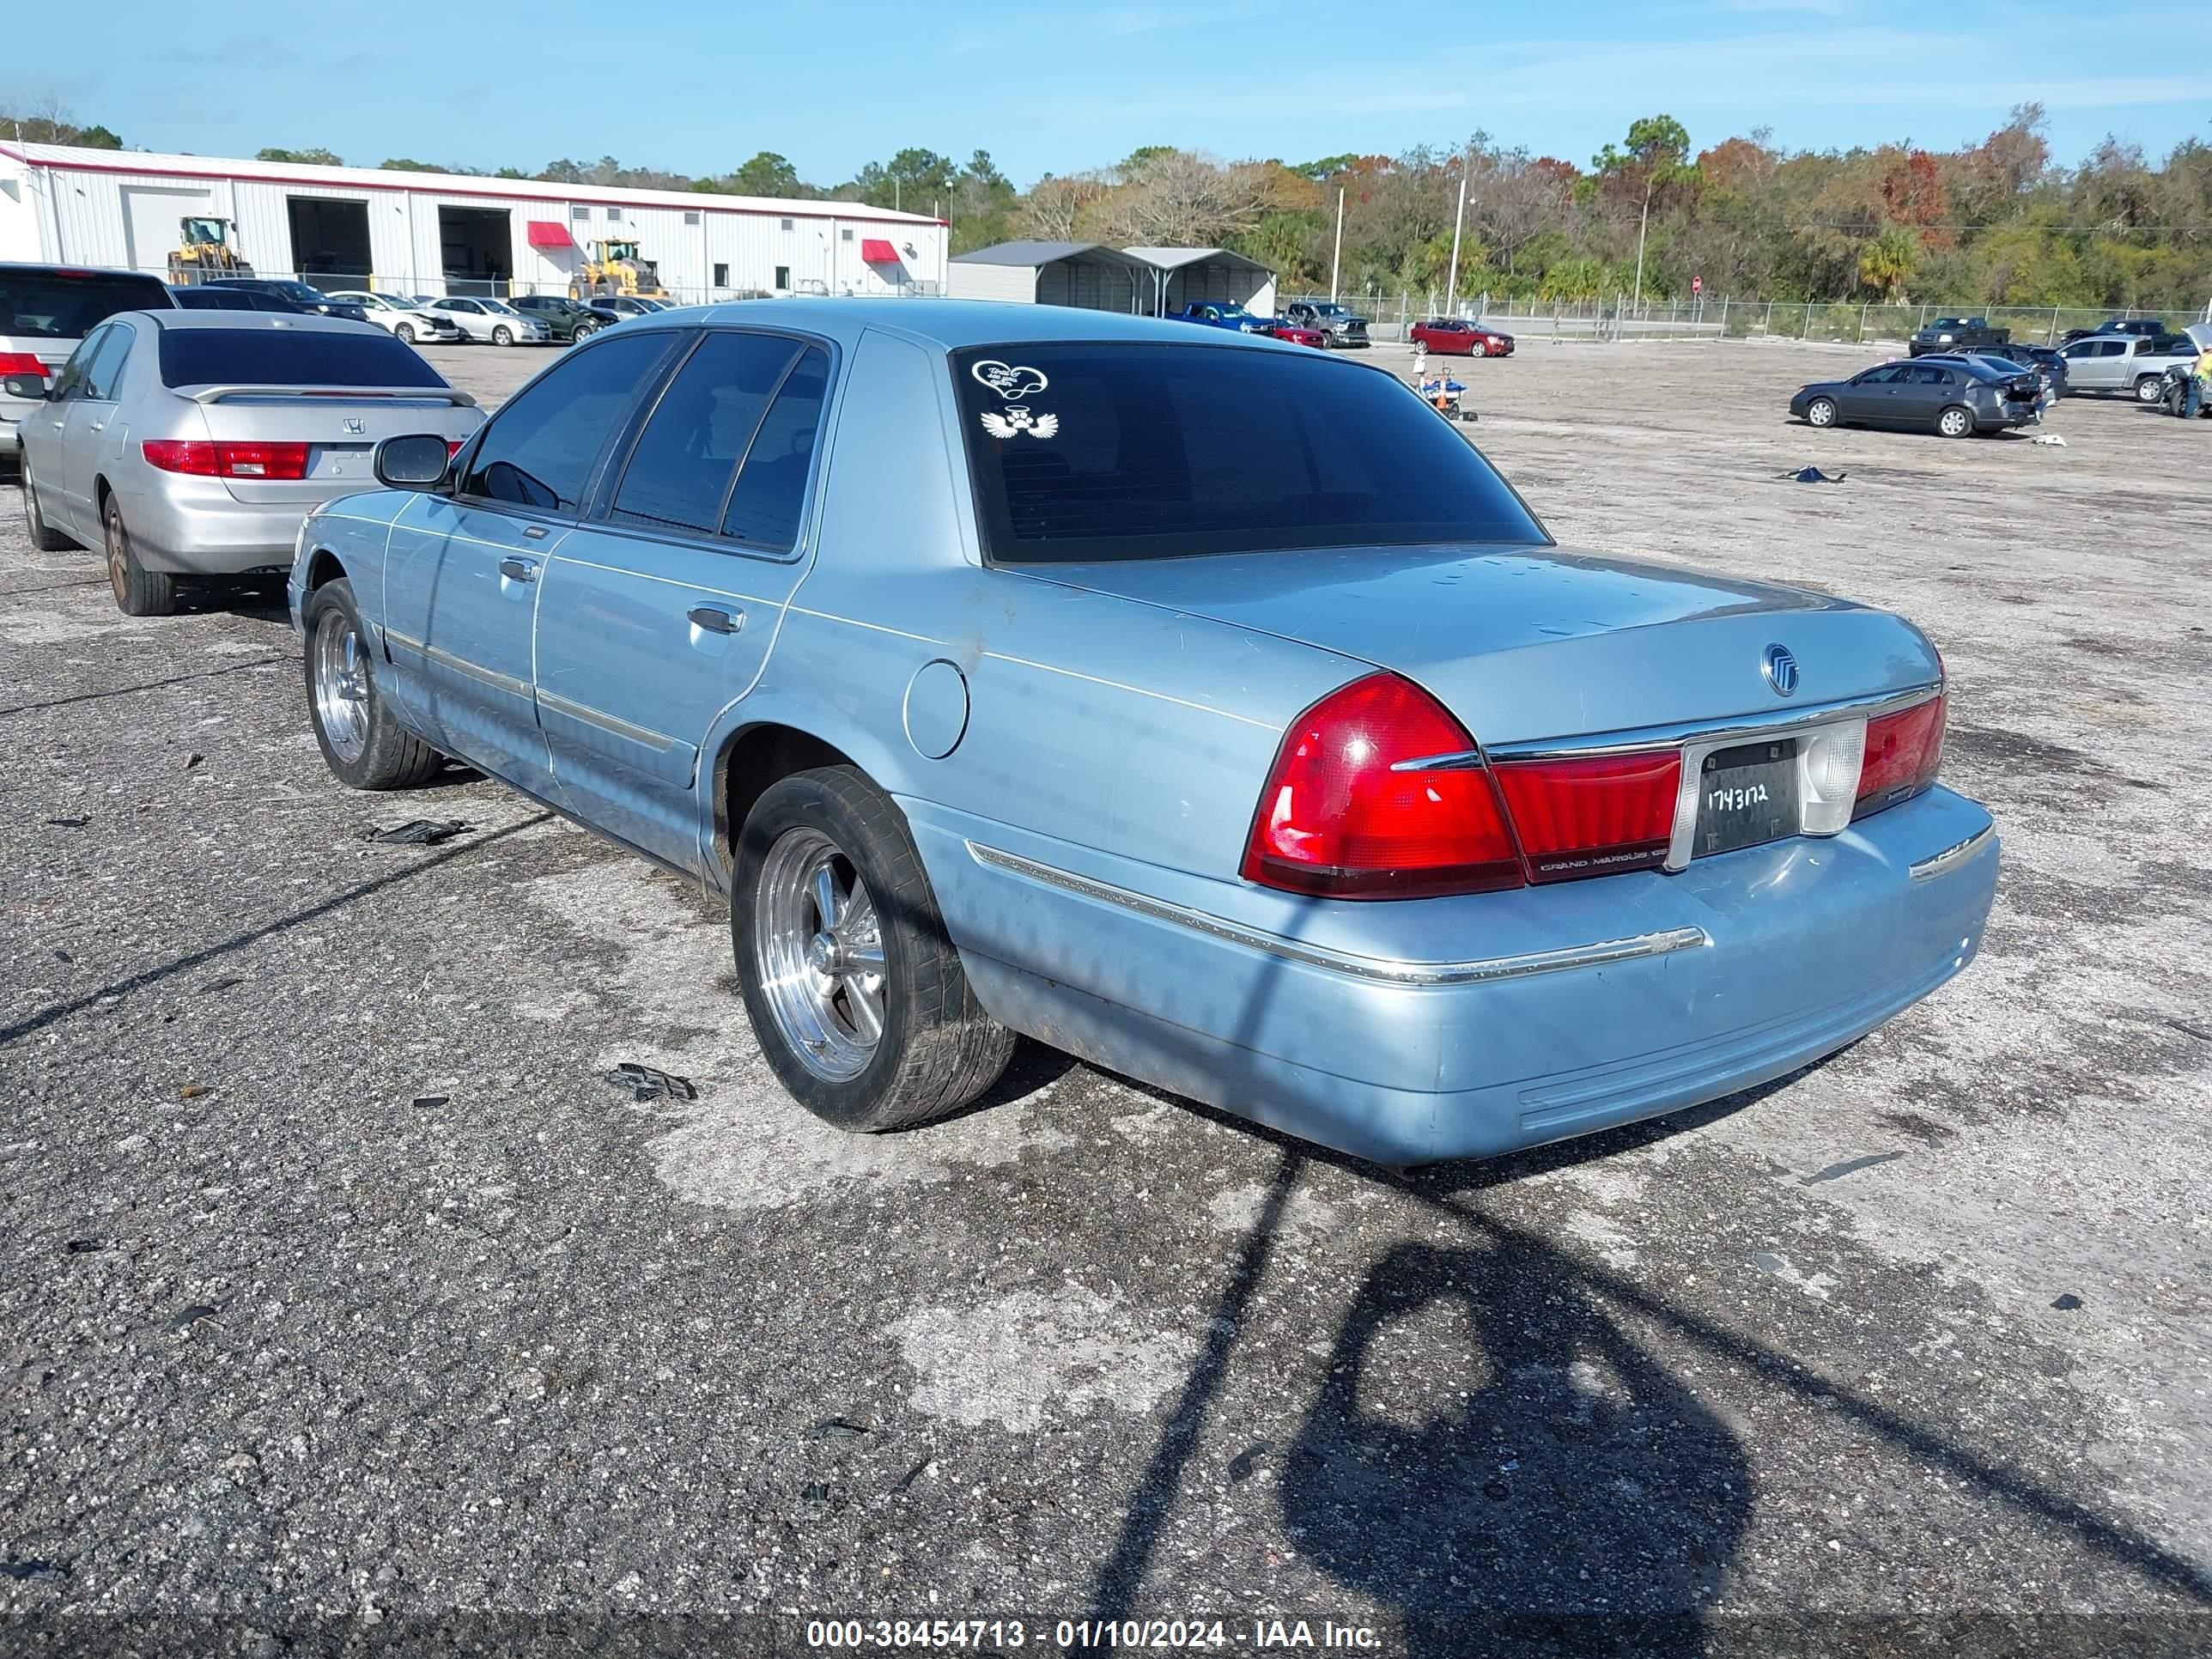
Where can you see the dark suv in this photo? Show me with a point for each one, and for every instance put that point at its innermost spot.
(564, 318)
(1956, 334)
(302, 294)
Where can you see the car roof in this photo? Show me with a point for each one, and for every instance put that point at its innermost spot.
(952, 324)
(20, 267)
(293, 323)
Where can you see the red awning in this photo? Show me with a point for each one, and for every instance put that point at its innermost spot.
(876, 251)
(544, 233)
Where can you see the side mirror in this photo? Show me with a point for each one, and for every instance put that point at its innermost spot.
(418, 461)
(32, 386)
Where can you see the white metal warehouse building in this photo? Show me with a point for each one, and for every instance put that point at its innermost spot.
(438, 232)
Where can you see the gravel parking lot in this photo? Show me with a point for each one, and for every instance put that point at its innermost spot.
(340, 1285)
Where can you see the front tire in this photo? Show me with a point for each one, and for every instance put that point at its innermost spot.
(855, 994)
(47, 539)
(362, 743)
(138, 592)
(502, 336)
(583, 332)
(1955, 422)
(1821, 411)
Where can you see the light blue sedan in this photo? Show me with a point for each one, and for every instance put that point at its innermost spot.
(1201, 705)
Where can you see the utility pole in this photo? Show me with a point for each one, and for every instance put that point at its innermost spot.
(1336, 259)
(1451, 281)
(1649, 185)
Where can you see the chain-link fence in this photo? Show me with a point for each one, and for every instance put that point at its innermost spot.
(1725, 317)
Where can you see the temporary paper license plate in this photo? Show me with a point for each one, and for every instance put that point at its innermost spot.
(1747, 795)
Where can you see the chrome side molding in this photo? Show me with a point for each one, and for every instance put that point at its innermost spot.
(1942, 863)
(1377, 970)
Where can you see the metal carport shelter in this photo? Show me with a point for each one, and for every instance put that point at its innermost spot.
(1089, 275)
(1184, 275)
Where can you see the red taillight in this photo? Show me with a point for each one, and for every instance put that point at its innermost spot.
(1340, 820)
(285, 462)
(1593, 816)
(453, 447)
(195, 456)
(1903, 751)
(22, 362)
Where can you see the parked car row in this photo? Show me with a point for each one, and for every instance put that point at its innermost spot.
(1283, 697)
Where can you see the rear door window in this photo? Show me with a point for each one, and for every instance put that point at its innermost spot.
(103, 371)
(259, 354)
(68, 306)
(1124, 451)
(769, 497)
(541, 448)
(680, 472)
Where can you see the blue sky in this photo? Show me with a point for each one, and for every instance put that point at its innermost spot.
(1060, 85)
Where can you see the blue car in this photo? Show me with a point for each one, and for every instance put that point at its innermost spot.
(1201, 705)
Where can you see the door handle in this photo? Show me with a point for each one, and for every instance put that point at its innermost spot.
(716, 622)
(521, 570)
(535, 532)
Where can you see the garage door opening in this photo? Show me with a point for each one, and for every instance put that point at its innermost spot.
(330, 241)
(479, 250)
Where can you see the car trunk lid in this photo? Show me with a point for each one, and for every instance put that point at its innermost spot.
(1525, 645)
(340, 425)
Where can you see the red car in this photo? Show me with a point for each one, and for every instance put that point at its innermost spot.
(1455, 336)
(1298, 335)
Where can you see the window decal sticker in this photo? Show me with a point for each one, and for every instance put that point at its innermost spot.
(1017, 420)
(1011, 383)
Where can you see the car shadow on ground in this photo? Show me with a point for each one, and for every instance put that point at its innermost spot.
(1526, 1477)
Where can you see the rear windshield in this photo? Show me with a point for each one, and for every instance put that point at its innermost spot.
(46, 305)
(1083, 452)
(278, 357)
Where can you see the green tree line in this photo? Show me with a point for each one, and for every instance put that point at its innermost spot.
(1998, 222)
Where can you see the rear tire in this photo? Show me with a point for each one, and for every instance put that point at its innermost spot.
(855, 994)
(1956, 422)
(2148, 388)
(47, 539)
(362, 742)
(1821, 411)
(405, 331)
(138, 592)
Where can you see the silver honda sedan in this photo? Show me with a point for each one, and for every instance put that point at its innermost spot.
(195, 443)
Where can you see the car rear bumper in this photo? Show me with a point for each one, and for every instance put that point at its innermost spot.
(194, 526)
(1566, 1008)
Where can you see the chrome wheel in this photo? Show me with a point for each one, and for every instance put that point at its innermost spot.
(1820, 412)
(1953, 422)
(818, 943)
(2148, 391)
(341, 670)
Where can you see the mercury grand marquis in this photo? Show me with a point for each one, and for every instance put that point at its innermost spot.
(1197, 704)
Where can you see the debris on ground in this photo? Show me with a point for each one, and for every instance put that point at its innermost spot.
(47, 1571)
(194, 1091)
(230, 984)
(61, 955)
(418, 832)
(191, 1317)
(837, 1428)
(1848, 1166)
(190, 760)
(1814, 475)
(2048, 438)
(429, 1100)
(650, 1083)
(2067, 1302)
(69, 824)
(1247, 1462)
(83, 1246)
